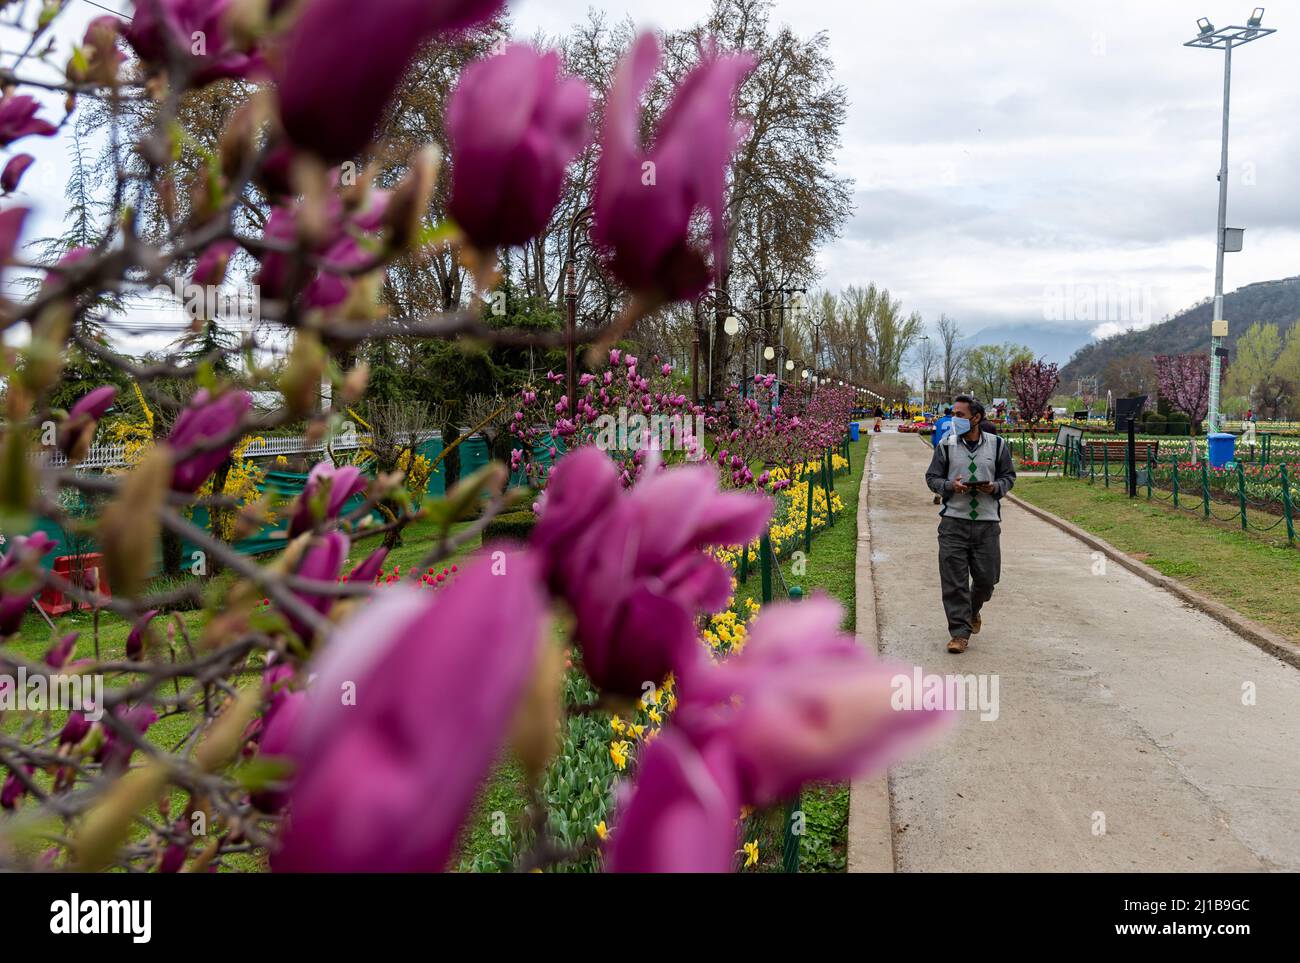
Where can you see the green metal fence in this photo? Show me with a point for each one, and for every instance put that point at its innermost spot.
(1237, 494)
(773, 585)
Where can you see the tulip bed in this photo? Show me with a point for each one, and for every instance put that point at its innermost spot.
(1280, 448)
(1258, 498)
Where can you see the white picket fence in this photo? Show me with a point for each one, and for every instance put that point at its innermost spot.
(114, 456)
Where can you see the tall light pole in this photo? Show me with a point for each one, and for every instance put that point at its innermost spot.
(571, 333)
(1228, 239)
(925, 375)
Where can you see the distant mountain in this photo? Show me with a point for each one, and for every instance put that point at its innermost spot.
(1273, 302)
(1053, 342)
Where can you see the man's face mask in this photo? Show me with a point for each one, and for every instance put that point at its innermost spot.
(960, 425)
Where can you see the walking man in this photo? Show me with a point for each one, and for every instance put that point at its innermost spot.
(971, 470)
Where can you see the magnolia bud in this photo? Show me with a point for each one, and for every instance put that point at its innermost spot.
(238, 143)
(300, 382)
(246, 21)
(536, 729)
(354, 385)
(410, 200)
(129, 529)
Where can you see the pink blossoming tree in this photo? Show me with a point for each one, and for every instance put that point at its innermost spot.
(332, 715)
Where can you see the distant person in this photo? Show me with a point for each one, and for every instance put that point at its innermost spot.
(880, 417)
(971, 471)
(941, 428)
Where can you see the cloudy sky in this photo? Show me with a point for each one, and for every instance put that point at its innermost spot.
(1015, 160)
(1012, 159)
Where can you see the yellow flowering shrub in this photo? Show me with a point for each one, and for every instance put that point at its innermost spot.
(243, 484)
(417, 470)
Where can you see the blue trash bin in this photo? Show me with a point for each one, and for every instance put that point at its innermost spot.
(1222, 449)
(853, 431)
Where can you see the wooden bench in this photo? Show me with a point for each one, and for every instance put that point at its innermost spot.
(1117, 451)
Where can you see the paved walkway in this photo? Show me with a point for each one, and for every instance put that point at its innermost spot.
(1122, 742)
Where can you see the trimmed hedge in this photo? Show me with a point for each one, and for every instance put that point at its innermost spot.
(516, 525)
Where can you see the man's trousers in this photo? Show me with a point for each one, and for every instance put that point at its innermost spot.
(970, 563)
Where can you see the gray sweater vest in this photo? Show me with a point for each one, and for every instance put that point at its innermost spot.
(970, 467)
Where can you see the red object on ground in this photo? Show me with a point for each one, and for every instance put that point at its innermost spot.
(84, 571)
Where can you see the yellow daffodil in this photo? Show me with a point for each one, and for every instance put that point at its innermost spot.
(618, 753)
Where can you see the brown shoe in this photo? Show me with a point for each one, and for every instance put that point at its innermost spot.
(975, 623)
(937, 499)
(957, 645)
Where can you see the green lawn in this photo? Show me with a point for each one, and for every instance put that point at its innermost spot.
(1254, 574)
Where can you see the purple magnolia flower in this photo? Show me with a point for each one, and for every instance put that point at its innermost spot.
(14, 789)
(100, 50)
(192, 30)
(14, 171)
(385, 779)
(135, 639)
(514, 123)
(211, 266)
(94, 403)
(17, 589)
(279, 723)
(802, 702)
(339, 247)
(341, 64)
(645, 199)
(18, 119)
(58, 654)
(322, 562)
(78, 431)
(177, 849)
(75, 729)
(342, 483)
(11, 226)
(632, 566)
(114, 752)
(681, 815)
(205, 419)
(370, 566)
(69, 259)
